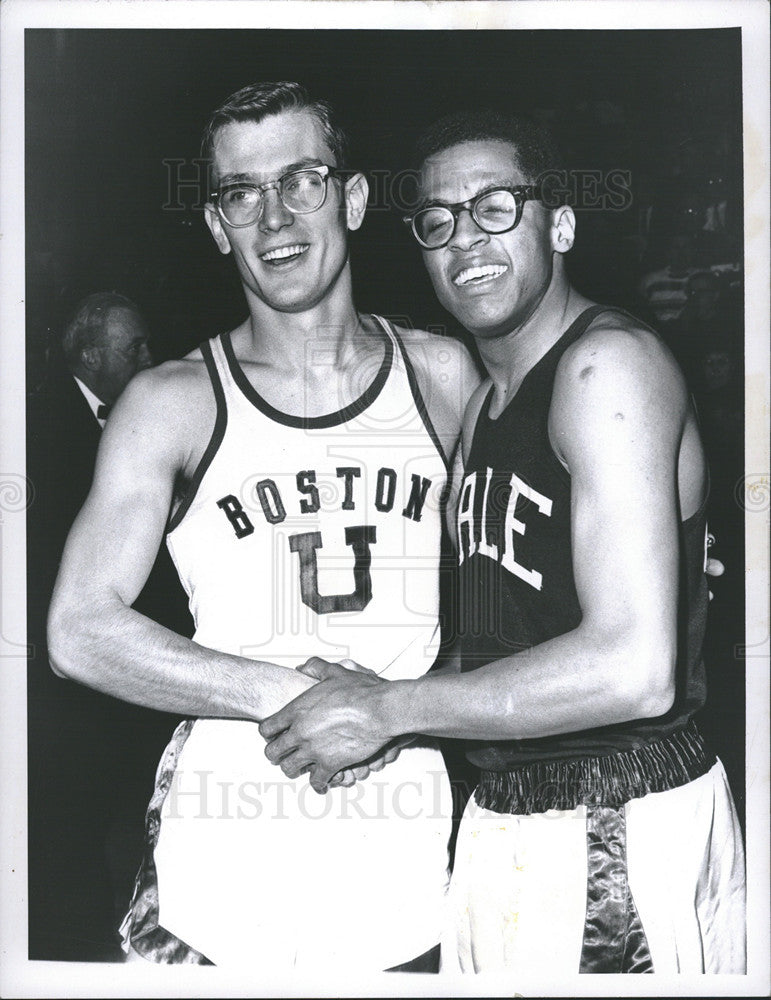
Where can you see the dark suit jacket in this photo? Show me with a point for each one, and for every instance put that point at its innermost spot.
(62, 441)
(91, 758)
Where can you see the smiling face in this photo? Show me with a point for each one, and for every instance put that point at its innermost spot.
(288, 262)
(491, 283)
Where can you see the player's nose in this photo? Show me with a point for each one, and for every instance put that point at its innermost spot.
(274, 215)
(467, 233)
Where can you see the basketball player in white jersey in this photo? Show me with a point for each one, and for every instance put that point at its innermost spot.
(296, 465)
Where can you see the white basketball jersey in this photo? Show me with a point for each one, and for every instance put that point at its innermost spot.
(302, 538)
(316, 536)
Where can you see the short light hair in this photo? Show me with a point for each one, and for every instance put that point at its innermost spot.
(261, 100)
(89, 321)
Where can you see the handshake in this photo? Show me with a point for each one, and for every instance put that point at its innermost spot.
(332, 730)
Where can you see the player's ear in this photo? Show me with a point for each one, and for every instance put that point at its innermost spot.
(563, 231)
(356, 194)
(216, 228)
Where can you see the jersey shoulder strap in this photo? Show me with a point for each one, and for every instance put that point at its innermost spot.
(400, 352)
(207, 349)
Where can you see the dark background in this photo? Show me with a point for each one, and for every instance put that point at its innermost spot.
(107, 110)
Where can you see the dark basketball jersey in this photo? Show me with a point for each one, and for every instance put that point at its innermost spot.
(516, 579)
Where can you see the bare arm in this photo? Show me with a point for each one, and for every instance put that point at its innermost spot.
(95, 637)
(617, 422)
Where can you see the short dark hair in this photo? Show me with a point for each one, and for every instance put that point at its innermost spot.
(261, 100)
(536, 147)
(88, 322)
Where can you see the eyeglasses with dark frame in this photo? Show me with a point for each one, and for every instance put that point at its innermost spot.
(497, 210)
(301, 192)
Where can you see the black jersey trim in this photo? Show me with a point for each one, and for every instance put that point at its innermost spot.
(353, 409)
(483, 417)
(576, 329)
(417, 395)
(220, 424)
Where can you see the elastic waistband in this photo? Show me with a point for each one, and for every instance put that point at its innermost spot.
(609, 780)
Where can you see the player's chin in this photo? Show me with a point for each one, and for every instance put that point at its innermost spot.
(485, 324)
(481, 313)
(298, 298)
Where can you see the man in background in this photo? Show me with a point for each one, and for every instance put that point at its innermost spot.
(103, 346)
(90, 757)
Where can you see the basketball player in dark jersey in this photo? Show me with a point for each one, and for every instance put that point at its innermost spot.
(602, 836)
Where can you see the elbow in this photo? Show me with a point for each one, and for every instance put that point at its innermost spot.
(78, 632)
(651, 689)
(655, 701)
(57, 641)
(637, 676)
(64, 640)
(54, 665)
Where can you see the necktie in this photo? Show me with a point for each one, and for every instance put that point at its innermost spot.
(103, 411)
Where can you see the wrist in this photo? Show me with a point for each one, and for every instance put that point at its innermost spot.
(392, 700)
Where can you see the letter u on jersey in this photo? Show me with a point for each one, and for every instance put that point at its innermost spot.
(305, 545)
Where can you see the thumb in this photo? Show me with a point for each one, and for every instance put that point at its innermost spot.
(319, 669)
(714, 567)
(356, 667)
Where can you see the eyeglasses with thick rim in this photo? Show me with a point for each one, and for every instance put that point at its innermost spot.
(323, 172)
(521, 193)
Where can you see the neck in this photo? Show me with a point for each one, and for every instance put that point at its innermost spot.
(279, 337)
(510, 357)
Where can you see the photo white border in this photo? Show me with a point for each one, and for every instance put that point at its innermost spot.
(20, 978)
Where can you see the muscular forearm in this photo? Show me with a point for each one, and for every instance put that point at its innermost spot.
(568, 684)
(122, 653)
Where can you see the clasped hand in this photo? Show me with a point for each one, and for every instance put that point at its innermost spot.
(330, 727)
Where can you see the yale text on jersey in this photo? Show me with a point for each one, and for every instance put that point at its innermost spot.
(484, 512)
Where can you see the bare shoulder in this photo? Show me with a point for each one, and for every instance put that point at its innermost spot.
(443, 366)
(616, 342)
(446, 375)
(167, 412)
(618, 368)
(618, 373)
(430, 349)
(174, 387)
